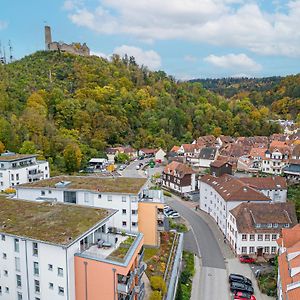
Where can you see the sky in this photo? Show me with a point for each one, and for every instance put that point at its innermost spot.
(185, 38)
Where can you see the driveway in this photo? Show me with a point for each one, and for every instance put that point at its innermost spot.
(212, 282)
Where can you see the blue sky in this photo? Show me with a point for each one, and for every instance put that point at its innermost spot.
(187, 39)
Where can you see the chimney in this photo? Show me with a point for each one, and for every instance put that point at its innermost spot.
(48, 38)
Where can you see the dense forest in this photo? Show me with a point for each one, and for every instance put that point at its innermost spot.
(281, 94)
(69, 108)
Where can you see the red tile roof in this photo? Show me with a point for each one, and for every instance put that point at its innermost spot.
(178, 168)
(266, 183)
(233, 189)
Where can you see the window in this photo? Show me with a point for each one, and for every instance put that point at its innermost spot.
(37, 286)
(244, 237)
(70, 197)
(5, 273)
(275, 225)
(99, 196)
(17, 264)
(60, 272)
(35, 250)
(36, 268)
(17, 176)
(258, 225)
(43, 193)
(123, 198)
(4, 255)
(17, 245)
(61, 290)
(244, 250)
(267, 237)
(124, 211)
(251, 249)
(260, 237)
(7, 289)
(51, 285)
(134, 224)
(37, 298)
(2, 237)
(124, 223)
(19, 296)
(19, 281)
(267, 250)
(252, 237)
(286, 225)
(49, 192)
(274, 237)
(269, 225)
(134, 212)
(273, 249)
(50, 267)
(109, 198)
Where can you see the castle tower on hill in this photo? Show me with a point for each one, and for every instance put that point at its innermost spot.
(74, 48)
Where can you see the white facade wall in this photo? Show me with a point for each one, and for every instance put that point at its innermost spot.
(14, 176)
(214, 204)
(119, 202)
(237, 243)
(205, 163)
(277, 195)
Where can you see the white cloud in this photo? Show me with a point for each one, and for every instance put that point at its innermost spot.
(240, 62)
(3, 24)
(148, 58)
(234, 23)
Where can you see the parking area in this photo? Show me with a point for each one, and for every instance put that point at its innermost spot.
(247, 270)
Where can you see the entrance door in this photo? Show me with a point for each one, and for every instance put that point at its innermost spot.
(260, 251)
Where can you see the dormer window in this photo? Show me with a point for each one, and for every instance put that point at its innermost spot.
(275, 225)
(258, 225)
(287, 225)
(270, 225)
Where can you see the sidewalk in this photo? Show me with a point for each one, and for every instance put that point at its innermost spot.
(196, 280)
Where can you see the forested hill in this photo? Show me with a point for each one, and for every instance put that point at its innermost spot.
(60, 102)
(281, 94)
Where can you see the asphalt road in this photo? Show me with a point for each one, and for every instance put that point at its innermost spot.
(212, 282)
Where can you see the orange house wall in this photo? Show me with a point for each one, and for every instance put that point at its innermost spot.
(147, 222)
(100, 277)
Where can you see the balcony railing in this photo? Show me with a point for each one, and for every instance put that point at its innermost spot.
(125, 287)
(37, 175)
(141, 256)
(160, 216)
(140, 288)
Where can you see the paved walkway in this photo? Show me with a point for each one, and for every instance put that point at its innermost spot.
(148, 289)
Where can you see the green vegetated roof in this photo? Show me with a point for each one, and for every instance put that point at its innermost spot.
(13, 157)
(120, 253)
(125, 185)
(49, 222)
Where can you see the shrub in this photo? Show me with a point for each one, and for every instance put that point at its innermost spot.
(155, 295)
(158, 284)
(167, 194)
(10, 191)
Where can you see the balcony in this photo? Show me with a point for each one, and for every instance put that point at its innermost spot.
(141, 268)
(141, 256)
(160, 216)
(35, 175)
(125, 283)
(140, 288)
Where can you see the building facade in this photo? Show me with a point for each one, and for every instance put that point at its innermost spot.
(253, 228)
(41, 249)
(127, 195)
(219, 195)
(17, 169)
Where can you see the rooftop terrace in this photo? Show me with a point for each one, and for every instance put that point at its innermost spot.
(124, 185)
(49, 222)
(13, 156)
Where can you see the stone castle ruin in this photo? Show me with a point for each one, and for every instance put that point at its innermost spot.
(74, 48)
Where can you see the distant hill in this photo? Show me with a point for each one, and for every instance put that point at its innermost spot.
(228, 87)
(69, 108)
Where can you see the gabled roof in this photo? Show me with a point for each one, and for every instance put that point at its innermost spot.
(188, 148)
(220, 162)
(258, 152)
(249, 214)
(296, 151)
(179, 169)
(175, 148)
(233, 189)
(266, 183)
(208, 153)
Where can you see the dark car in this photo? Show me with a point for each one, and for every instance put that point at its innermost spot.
(240, 287)
(247, 259)
(240, 279)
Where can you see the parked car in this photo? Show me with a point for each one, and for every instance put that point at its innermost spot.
(167, 207)
(247, 259)
(174, 215)
(168, 212)
(244, 296)
(239, 278)
(240, 287)
(122, 167)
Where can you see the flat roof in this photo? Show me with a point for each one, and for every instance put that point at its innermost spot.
(14, 157)
(50, 222)
(123, 185)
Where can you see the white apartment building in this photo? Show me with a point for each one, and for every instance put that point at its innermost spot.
(127, 195)
(17, 169)
(253, 228)
(274, 161)
(219, 195)
(37, 247)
